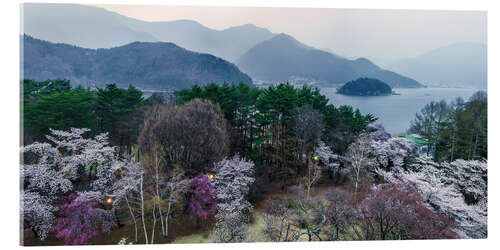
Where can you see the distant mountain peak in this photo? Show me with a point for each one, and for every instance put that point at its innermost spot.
(286, 40)
(247, 27)
(284, 37)
(283, 57)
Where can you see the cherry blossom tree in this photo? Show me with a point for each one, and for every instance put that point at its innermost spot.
(391, 154)
(232, 181)
(68, 162)
(327, 159)
(379, 133)
(37, 212)
(457, 189)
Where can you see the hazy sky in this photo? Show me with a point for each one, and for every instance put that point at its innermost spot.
(377, 34)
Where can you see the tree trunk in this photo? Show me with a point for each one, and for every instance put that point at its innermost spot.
(133, 217)
(142, 212)
(158, 193)
(168, 213)
(154, 224)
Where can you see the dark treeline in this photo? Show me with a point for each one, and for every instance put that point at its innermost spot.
(456, 130)
(54, 104)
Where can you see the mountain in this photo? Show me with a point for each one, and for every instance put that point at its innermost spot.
(365, 87)
(80, 25)
(456, 65)
(158, 65)
(282, 58)
(93, 27)
(229, 43)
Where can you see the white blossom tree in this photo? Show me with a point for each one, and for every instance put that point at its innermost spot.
(457, 189)
(390, 154)
(51, 169)
(327, 159)
(37, 212)
(232, 181)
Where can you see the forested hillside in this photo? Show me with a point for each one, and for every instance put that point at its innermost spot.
(160, 66)
(365, 87)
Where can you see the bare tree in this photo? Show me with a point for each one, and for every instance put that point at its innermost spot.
(127, 183)
(278, 221)
(338, 212)
(313, 175)
(307, 124)
(174, 188)
(398, 211)
(358, 158)
(193, 135)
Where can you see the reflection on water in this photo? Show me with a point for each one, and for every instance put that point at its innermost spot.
(395, 112)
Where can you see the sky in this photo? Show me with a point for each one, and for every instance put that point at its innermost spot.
(381, 35)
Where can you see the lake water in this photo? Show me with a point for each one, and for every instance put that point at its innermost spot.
(396, 112)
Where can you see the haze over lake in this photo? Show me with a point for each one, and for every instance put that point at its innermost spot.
(395, 112)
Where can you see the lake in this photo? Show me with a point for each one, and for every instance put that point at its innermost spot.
(396, 112)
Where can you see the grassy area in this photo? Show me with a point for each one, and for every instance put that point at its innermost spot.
(182, 228)
(256, 233)
(256, 230)
(204, 237)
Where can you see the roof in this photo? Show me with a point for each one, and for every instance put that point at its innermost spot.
(417, 139)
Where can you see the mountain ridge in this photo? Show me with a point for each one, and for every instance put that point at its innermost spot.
(461, 64)
(80, 24)
(283, 57)
(156, 65)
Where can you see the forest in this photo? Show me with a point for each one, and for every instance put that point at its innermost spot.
(236, 163)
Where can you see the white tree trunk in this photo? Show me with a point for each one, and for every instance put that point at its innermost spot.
(168, 213)
(133, 217)
(158, 194)
(154, 224)
(142, 211)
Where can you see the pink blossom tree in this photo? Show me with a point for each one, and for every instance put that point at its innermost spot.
(202, 203)
(79, 220)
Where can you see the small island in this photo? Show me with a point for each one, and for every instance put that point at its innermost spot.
(365, 87)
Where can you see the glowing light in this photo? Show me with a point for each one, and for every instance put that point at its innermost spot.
(315, 158)
(109, 200)
(211, 176)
